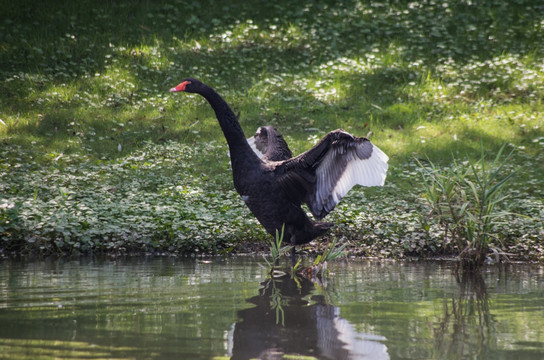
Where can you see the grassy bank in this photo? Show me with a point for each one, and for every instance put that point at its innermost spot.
(98, 156)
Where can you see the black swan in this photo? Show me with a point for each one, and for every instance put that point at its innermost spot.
(273, 184)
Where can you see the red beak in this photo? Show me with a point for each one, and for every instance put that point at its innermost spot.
(180, 87)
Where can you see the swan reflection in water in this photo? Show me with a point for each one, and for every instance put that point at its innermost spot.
(285, 321)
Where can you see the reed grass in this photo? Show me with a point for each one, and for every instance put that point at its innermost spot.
(469, 201)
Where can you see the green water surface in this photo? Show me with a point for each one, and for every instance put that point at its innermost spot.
(231, 308)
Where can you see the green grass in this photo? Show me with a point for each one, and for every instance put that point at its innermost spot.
(84, 90)
(464, 200)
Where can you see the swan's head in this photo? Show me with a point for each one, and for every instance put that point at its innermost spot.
(188, 85)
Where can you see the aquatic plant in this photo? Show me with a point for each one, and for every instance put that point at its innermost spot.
(467, 200)
(276, 249)
(319, 265)
(331, 252)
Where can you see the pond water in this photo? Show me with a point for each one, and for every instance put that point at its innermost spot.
(230, 308)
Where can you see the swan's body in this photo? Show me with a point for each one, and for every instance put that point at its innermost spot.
(273, 184)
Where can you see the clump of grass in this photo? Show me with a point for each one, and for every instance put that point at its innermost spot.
(276, 249)
(465, 200)
(330, 253)
(319, 266)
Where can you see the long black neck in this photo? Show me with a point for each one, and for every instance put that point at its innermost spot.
(238, 145)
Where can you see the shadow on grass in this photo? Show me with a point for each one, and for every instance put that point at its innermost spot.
(232, 45)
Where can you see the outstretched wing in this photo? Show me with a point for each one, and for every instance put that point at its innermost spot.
(332, 167)
(346, 163)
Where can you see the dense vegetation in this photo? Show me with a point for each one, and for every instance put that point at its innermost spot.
(98, 156)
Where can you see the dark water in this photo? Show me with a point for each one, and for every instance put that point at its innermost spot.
(168, 308)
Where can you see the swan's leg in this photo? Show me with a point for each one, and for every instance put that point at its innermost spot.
(293, 256)
(293, 250)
